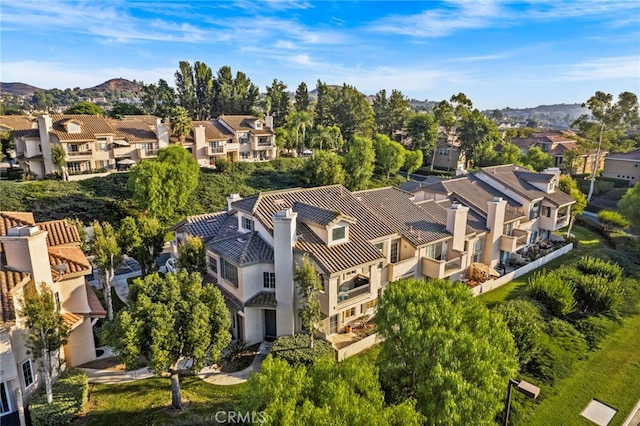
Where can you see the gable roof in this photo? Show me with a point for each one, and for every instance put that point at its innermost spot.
(633, 155)
(204, 226)
(60, 232)
(8, 281)
(240, 123)
(14, 219)
(90, 126)
(17, 122)
(131, 130)
(242, 248)
(319, 215)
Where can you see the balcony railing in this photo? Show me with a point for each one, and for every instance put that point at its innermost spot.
(216, 150)
(513, 243)
(78, 153)
(358, 286)
(144, 153)
(434, 268)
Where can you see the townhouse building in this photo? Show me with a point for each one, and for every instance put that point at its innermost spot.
(623, 166)
(30, 254)
(360, 241)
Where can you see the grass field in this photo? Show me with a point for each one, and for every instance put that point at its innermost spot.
(148, 402)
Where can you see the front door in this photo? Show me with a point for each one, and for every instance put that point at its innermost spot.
(270, 332)
(240, 326)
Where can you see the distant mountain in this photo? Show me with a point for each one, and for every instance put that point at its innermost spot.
(116, 84)
(20, 89)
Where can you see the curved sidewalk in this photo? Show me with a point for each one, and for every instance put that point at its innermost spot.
(208, 374)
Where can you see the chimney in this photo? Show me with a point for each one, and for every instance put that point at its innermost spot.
(45, 125)
(25, 248)
(457, 225)
(496, 210)
(199, 143)
(268, 121)
(284, 237)
(232, 198)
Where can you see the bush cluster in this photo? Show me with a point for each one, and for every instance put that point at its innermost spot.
(295, 349)
(70, 392)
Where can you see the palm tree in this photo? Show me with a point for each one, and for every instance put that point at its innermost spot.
(180, 122)
(59, 158)
(300, 120)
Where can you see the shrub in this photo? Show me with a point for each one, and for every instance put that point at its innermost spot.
(597, 294)
(589, 265)
(595, 329)
(224, 165)
(295, 349)
(235, 349)
(616, 193)
(70, 392)
(525, 324)
(612, 220)
(554, 294)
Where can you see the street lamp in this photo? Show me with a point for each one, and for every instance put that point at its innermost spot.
(526, 388)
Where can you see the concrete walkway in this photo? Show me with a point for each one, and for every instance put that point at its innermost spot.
(634, 417)
(208, 374)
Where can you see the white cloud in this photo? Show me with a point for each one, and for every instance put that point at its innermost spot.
(602, 69)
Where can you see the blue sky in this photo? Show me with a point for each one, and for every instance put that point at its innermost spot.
(500, 54)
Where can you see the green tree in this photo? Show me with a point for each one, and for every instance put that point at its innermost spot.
(443, 347)
(47, 330)
(203, 85)
(85, 107)
(120, 109)
(476, 132)
(158, 99)
(390, 113)
(605, 114)
(280, 104)
(510, 154)
(59, 159)
(192, 255)
(412, 161)
(309, 286)
(389, 155)
(359, 163)
(525, 324)
(352, 112)
(233, 96)
(297, 121)
(171, 318)
(142, 239)
(107, 257)
(568, 185)
(303, 102)
(537, 159)
(629, 206)
(422, 129)
(323, 114)
(180, 122)
(163, 186)
(326, 138)
(324, 168)
(324, 393)
(185, 88)
(446, 117)
(8, 144)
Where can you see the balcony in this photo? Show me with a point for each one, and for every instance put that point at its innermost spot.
(402, 269)
(216, 150)
(515, 242)
(147, 153)
(434, 268)
(257, 145)
(86, 152)
(358, 286)
(554, 223)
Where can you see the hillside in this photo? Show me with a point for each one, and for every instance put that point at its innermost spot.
(20, 89)
(116, 84)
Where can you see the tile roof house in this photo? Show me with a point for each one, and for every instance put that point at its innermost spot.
(360, 241)
(557, 144)
(32, 253)
(623, 166)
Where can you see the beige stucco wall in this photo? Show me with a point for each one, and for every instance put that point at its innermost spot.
(80, 347)
(629, 170)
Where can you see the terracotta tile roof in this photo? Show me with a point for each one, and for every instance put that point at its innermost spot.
(14, 219)
(75, 259)
(475, 194)
(263, 299)
(90, 126)
(419, 225)
(60, 232)
(8, 281)
(517, 179)
(97, 310)
(71, 320)
(242, 249)
(18, 122)
(134, 130)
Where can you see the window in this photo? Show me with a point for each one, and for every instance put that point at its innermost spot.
(477, 249)
(546, 211)
(395, 250)
(534, 237)
(443, 151)
(102, 144)
(245, 155)
(56, 295)
(431, 251)
(247, 223)
(213, 264)
(74, 167)
(229, 272)
(269, 279)
(27, 373)
(351, 312)
(5, 406)
(338, 233)
(322, 279)
(258, 125)
(244, 138)
(508, 228)
(380, 247)
(535, 210)
(369, 305)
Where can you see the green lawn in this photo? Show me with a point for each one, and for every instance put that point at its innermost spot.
(611, 375)
(147, 402)
(589, 243)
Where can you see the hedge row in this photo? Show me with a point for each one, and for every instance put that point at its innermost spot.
(70, 392)
(295, 349)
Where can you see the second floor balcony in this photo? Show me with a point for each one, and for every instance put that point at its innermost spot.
(357, 286)
(215, 150)
(80, 152)
(435, 268)
(261, 144)
(515, 242)
(147, 153)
